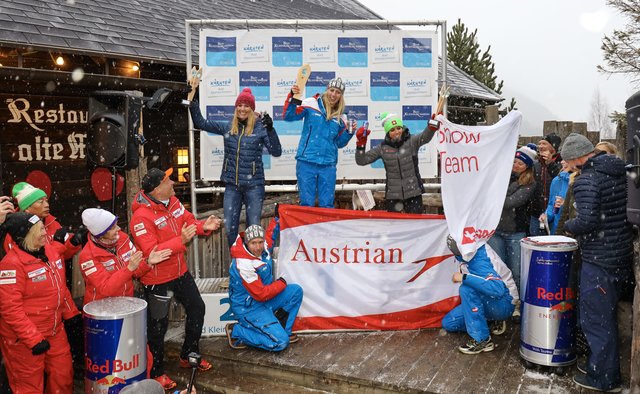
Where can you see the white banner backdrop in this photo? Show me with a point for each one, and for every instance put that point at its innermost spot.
(384, 71)
(476, 165)
(367, 270)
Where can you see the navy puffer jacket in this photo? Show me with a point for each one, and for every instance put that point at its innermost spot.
(242, 153)
(601, 206)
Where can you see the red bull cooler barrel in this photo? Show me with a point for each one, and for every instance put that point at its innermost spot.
(548, 310)
(115, 340)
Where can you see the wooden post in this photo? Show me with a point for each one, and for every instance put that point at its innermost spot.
(491, 114)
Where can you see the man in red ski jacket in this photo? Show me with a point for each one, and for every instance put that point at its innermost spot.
(160, 221)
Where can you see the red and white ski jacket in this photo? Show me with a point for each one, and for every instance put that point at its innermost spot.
(106, 274)
(154, 224)
(251, 277)
(34, 294)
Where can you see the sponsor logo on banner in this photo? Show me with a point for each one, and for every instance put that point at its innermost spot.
(385, 86)
(251, 52)
(385, 53)
(353, 51)
(355, 86)
(321, 52)
(416, 52)
(375, 142)
(285, 128)
(220, 113)
(286, 51)
(258, 82)
(416, 87)
(359, 113)
(282, 87)
(415, 117)
(287, 159)
(220, 87)
(318, 81)
(221, 51)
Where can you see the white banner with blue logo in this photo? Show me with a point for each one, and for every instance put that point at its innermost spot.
(384, 71)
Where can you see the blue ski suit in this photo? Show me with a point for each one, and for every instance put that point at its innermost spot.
(483, 296)
(317, 153)
(265, 308)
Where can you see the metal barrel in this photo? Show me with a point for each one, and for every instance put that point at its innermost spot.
(547, 327)
(115, 337)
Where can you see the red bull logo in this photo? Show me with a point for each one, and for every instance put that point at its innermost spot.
(113, 366)
(565, 293)
(562, 307)
(111, 380)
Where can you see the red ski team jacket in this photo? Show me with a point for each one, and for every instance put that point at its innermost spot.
(34, 294)
(106, 274)
(154, 224)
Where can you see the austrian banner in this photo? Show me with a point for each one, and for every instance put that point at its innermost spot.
(367, 270)
(476, 165)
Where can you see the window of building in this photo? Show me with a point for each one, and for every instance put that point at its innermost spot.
(182, 163)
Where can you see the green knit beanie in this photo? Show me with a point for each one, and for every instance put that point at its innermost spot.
(26, 194)
(389, 121)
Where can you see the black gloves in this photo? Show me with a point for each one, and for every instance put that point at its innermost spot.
(80, 237)
(40, 347)
(60, 235)
(267, 122)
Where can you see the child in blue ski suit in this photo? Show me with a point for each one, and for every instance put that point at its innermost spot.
(559, 187)
(265, 308)
(483, 296)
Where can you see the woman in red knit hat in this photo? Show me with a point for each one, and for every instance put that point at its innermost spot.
(242, 172)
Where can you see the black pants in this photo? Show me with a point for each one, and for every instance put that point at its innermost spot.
(410, 205)
(184, 289)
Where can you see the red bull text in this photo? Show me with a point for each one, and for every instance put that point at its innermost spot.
(548, 294)
(115, 344)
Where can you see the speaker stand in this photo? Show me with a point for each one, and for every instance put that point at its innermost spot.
(114, 178)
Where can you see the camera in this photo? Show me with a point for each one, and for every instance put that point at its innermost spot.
(194, 359)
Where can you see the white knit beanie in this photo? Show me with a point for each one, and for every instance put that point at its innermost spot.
(98, 221)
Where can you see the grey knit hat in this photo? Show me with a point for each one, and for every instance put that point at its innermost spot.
(252, 232)
(575, 146)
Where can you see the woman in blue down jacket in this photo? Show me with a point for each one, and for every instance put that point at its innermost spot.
(324, 131)
(242, 171)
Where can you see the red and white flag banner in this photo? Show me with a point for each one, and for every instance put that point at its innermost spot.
(367, 270)
(476, 164)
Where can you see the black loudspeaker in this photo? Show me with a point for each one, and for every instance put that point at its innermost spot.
(114, 118)
(633, 158)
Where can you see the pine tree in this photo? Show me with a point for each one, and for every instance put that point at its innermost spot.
(463, 50)
(622, 49)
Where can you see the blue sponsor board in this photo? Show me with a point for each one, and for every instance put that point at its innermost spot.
(259, 83)
(266, 159)
(318, 81)
(282, 127)
(353, 51)
(286, 51)
(221, 51)
(416, 52)
(220, 113)
(415, 117)
(375, 142)
(359, 113)
(385, 86)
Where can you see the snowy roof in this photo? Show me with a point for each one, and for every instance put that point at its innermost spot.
(153, 30)
(144, 29)
(464, 85)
